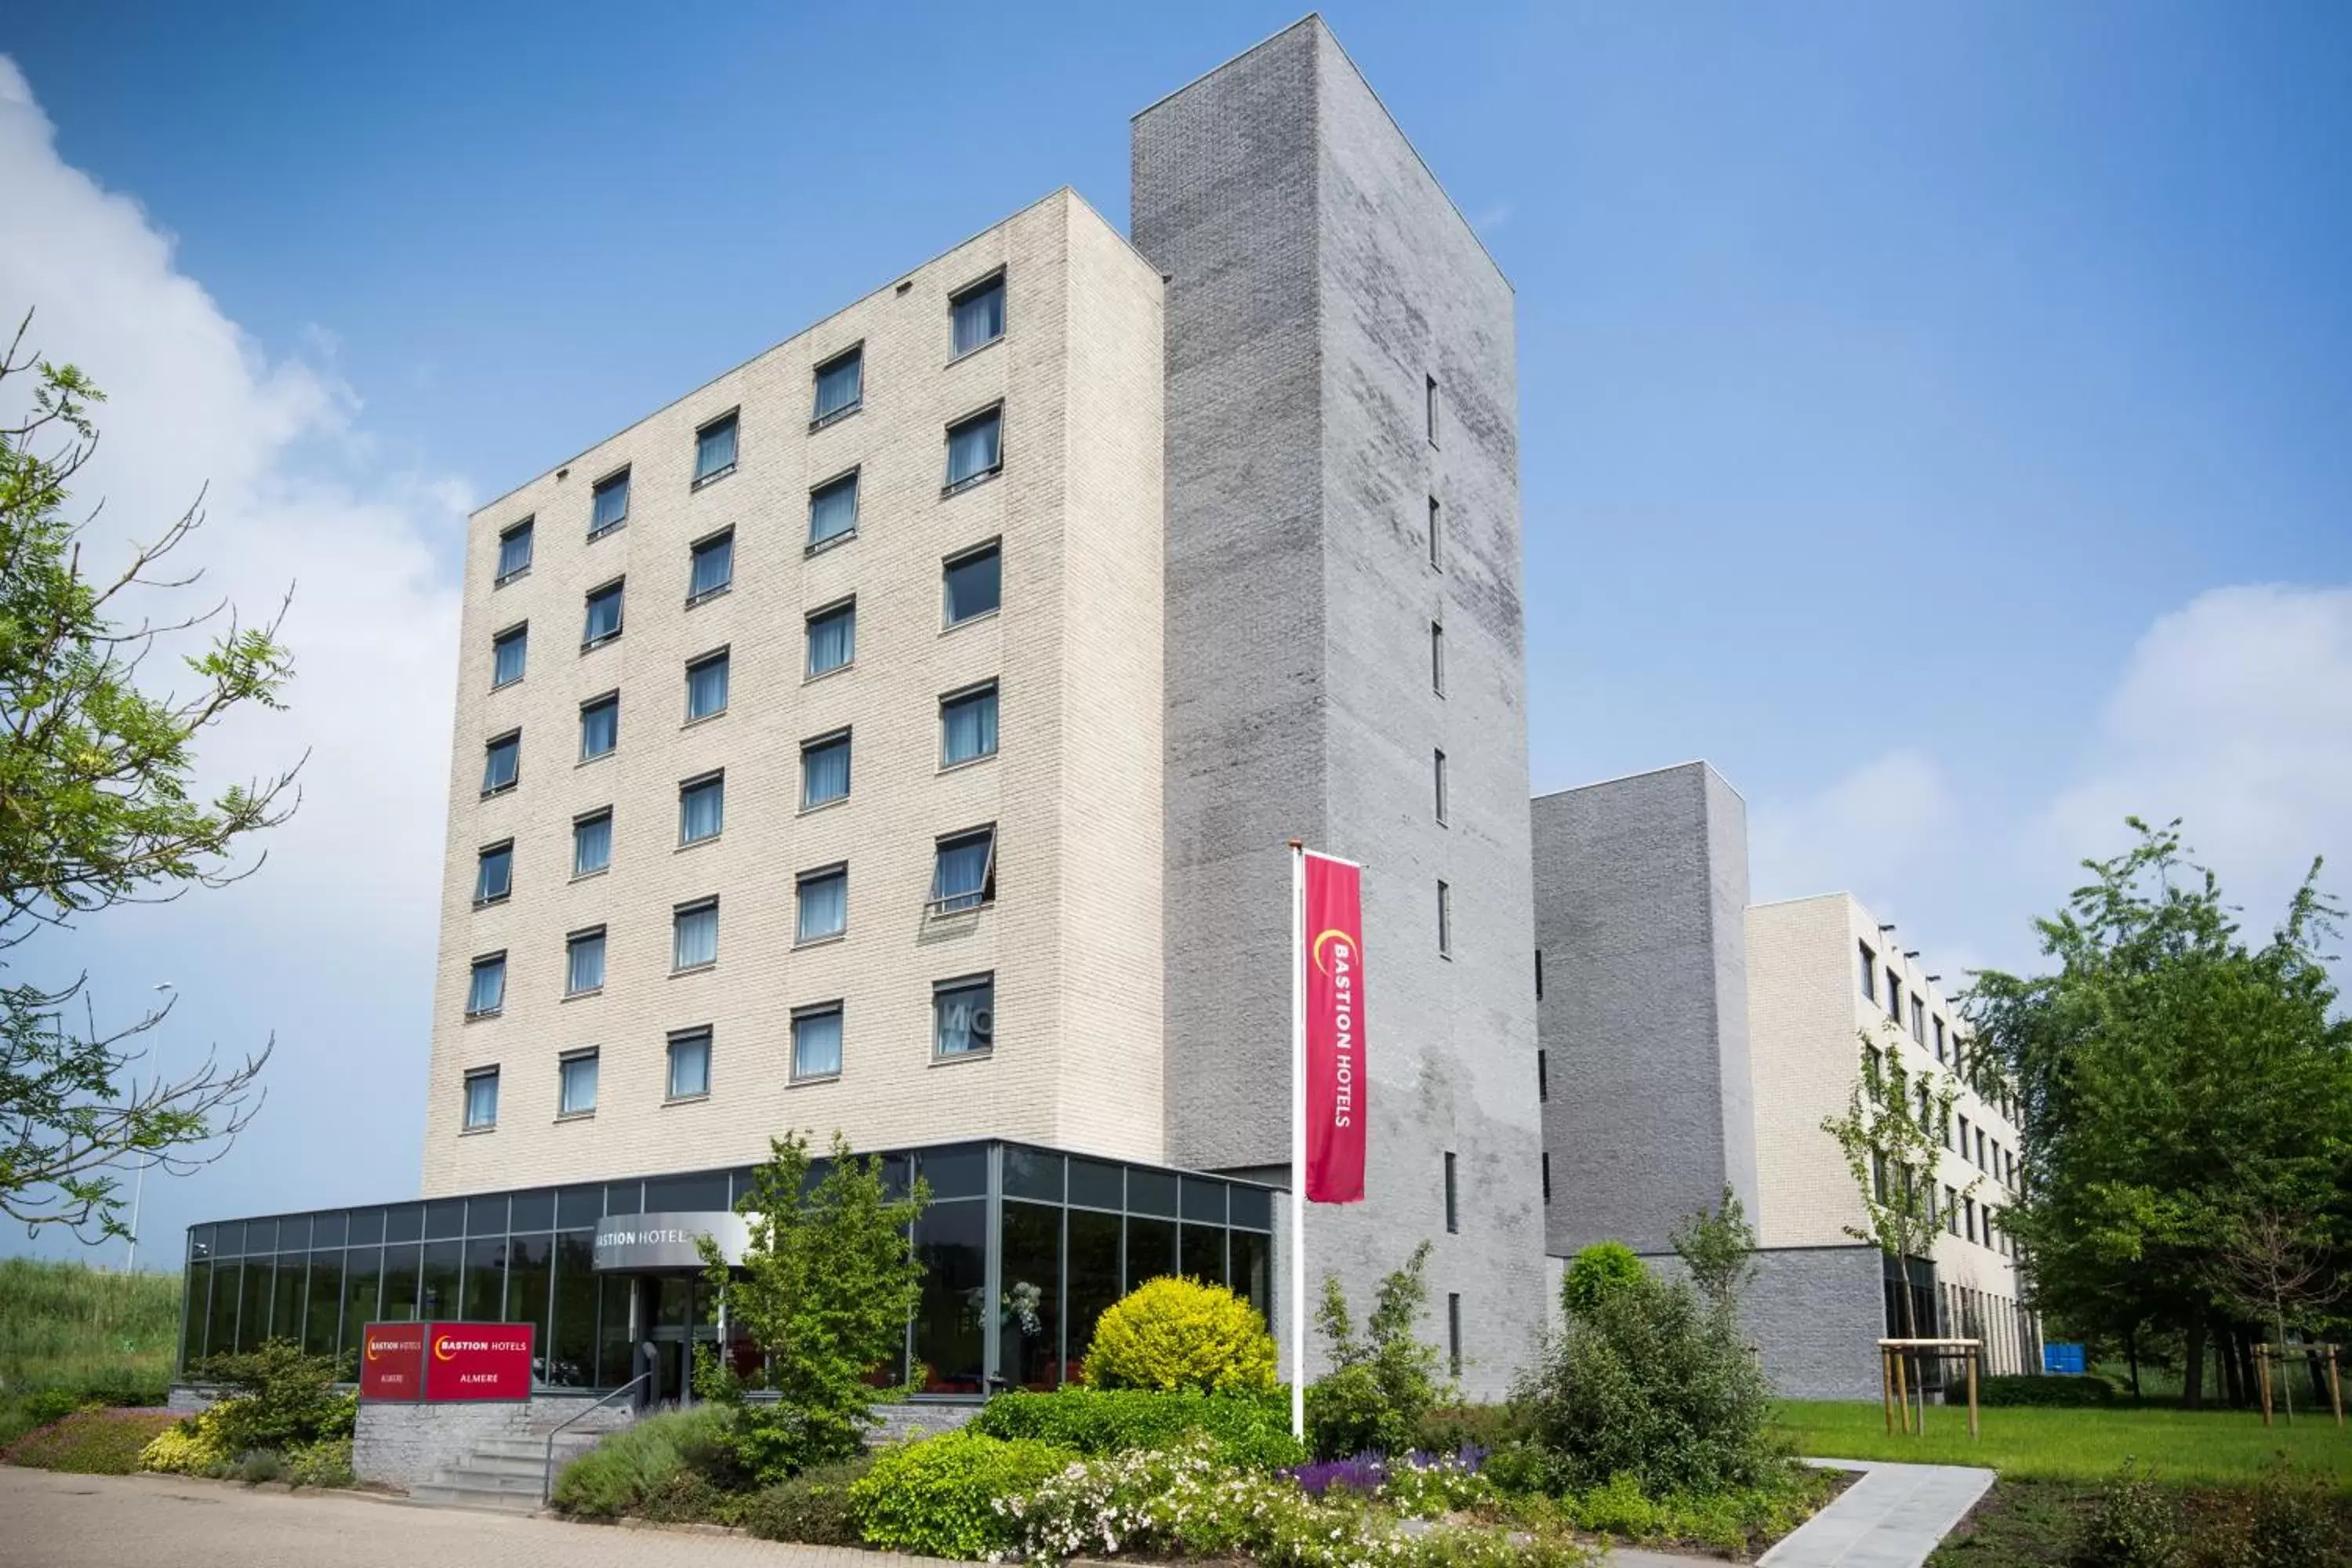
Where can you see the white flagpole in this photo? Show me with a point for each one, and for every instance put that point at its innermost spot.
(1298, 1139)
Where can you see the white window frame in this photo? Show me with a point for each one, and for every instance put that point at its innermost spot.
(686, 786)
(720, 656)
(619, 588)
(708, 428)
(935, 905)
(694, 557)
(467, 1120)
(572, 941)
(563, 1065)
(840, 1015)
(528, 527)
(613, 698)
(678, 916)
(518, 633)
(491, 746)
(808, 641)
(502, 846)
(618, 478)
(819, 419)
(708, 1037)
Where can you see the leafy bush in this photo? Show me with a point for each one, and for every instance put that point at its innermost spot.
(1381, 1384)
(2046, 1393)
(2285, 1519)
(1172, 1333)
(1450, 1429)
(773, 1440)
(1650, 1382)
(260, 1465)
(1736, 1520)
(324, 1463)
(283, 1399)
(1252, 1431)
(1595, 1272)
(2134, 1523)
(189, 1446)
(935, 1496)
(90, 1442)
(813, 1508)
(618, 1475)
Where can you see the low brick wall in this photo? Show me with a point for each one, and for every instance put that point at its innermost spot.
(919, 1420)
(398, 1443)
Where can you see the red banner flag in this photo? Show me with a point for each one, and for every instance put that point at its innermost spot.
(1333, 951)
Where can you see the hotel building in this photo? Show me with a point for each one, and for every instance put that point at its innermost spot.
(899, 735)
(1693, 1041)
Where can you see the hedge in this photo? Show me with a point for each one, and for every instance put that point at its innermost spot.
(1252, 1431)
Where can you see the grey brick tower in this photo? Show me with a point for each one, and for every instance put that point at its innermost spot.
(1341, 381)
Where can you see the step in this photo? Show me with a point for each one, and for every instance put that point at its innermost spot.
(507, 1464)
(530, 1481)
(449, 1494)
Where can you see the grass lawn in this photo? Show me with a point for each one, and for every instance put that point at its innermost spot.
(65, 1326)
(2214, 1447)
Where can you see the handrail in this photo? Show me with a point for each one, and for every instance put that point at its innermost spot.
(547, 1479)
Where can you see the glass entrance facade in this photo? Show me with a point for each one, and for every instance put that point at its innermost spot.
(1022, 1248)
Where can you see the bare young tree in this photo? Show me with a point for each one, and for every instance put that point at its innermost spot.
(2277, 1265)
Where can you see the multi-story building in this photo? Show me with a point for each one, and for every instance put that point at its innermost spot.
(900, 734)
(1694, 1043)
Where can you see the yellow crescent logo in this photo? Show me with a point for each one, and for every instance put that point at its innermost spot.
(371, 1350)
(1347, 937)
(440, 1351)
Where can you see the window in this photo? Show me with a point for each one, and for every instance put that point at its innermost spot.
(706, 686)
(481, 1100)
(1453, 1332)
(1437, 658)
(968, 726)
(1969, 1218)
(1919, 1019)
(576, 1084)
(494, 873)
(701, 808)
(508, 652)
(1939, 1039)
(1436, 536)
(502, 762)
(1444, 920)
(600, 726)
(978, 315)
(831, 638)
(713, 569)
(583, 962)
(824, 770)
(714, 449)
(514, 553)
(694, 935)
(603, 620)
(591, 843)
(833, 510)
(1980, 1149)
(1540, 974)
(1869, 973)
(975, 583)
(1947, 1127)
(690, 1064)
(1964, 1137)
(975, 447)
(486, 994)
(964, 1014)
(964, 875)
(1893, 996)
(1431, 407)
(840, 385)
(1543, 1078)
(1547, 1176)
(817, 1042)
(1452, 1211)
(1952, 1210)
(1440, 781)
(609, 508)
(824, 904)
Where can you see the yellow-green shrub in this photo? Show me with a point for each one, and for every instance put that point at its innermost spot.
(189, 1446)
(1173, 1333)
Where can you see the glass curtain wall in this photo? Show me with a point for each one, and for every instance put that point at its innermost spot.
(1023, 1250)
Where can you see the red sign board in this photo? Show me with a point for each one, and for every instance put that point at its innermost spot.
(478, 1360)
(392, 1361)
(446, 1361)
(1333, 952)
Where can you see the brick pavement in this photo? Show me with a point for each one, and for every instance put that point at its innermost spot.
(50, 1520)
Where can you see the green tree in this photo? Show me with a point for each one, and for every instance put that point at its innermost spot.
(1891, 1138)
(99, 808)
(2178, 1084)
(1718, 1248)
(826, 1283)
(1595, 1271)
(1383, 1380)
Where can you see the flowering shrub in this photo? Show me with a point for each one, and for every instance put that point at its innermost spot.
(189, 1446)
(96, 1442)
(1420, 1486)
(1170, 1333)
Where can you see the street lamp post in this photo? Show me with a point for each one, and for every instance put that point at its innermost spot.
(139, 1176)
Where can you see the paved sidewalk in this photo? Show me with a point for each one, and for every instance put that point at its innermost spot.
(1892, 1518)
(51, 1520)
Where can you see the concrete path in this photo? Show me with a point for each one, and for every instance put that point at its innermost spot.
(1892, 1518)
(51, 1520)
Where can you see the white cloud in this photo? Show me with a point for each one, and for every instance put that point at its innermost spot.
(2234, 713)
(293, 498)
(1873, 833)
(330, 946)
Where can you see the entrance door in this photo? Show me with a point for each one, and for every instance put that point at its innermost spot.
(678, 1313)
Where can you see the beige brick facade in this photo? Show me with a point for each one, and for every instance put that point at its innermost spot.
(1074, 937)
(1808, 1017)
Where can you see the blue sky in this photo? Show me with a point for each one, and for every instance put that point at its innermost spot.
(1934, 417)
